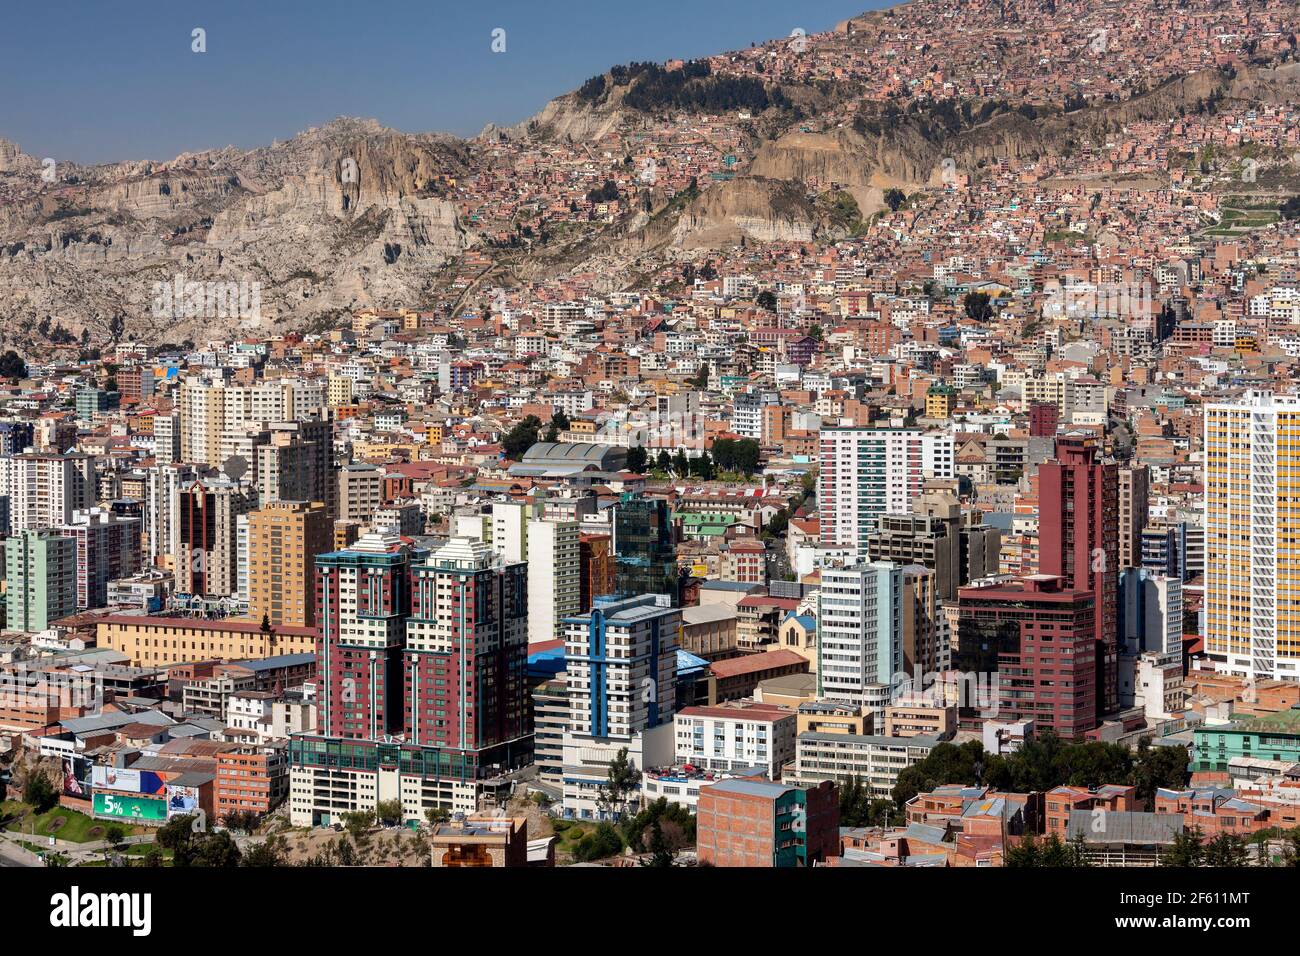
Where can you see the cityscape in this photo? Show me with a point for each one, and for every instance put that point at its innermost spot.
(875, 447)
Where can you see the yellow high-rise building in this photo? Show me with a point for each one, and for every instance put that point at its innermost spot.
(1252, 535)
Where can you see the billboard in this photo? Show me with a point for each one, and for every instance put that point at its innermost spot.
(75, 773)
(130, 781)
(145, 809)
(182, 801)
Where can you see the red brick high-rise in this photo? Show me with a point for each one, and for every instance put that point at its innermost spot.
(363, 597)
(1039, 637)
(1078, 541)
(466, 655)
(1043, 417)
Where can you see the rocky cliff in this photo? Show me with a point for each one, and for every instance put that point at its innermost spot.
(347, 215)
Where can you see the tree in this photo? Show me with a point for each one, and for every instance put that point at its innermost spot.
(621, 782)
(637, 459)
(676, 824)
(660, 855)
(559, 423)
(153, 857)
(778, 525)
(663, 462)
(681, 464)
(855, 804)
(1186, 850)
(946, 763)
(767, 300)
(358, 822)
(737, 454)
(1227, 849)
(522, 437)
(1291, 848)
(346, 853)
(208, 850)
(176, 833)
(702, 467)
(1158, 767)
(40, 793)
(389, 812)
(115, 834)
(602, 842)
(977, 306)
(273, 851)
(244, 821)
(1023, 852)
(12, 366)
(894, 199)
(436, 815)
(1051, 852)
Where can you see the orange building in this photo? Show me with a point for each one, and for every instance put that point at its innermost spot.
(284, 538)
(596, 563)
(1058, 804)
(251, 780)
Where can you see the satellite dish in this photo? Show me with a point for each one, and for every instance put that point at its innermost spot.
(235, 467)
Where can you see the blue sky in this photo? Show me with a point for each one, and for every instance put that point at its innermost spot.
(98, 81)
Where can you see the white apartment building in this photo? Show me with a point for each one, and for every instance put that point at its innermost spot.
(868, 472)
(736, 736)
(554, 577)
(621, 677)
(860, 633)
(45, 490)
(874, 761)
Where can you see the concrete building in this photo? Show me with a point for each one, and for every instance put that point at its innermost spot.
(1252, 537)
(108, 548)
(735, 736)
(1078, 541)
(1151, 613)
(620, 676)
(361, 492)
(466, 652)
(45, 490)
(480, 840)
(554, 577)
(874, 760)
(207, 536)
(40, 579)
(1032, 644)
(294, 461)
(750, 823)
(251, 779)
(284, 538)
(423, 684)
(210, 406)
(150, 641)
(958, 548)
(860, 633)
(709, 631)
(866, 473)
(1134, 490)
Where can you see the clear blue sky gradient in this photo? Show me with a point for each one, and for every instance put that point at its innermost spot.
(95, 81)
